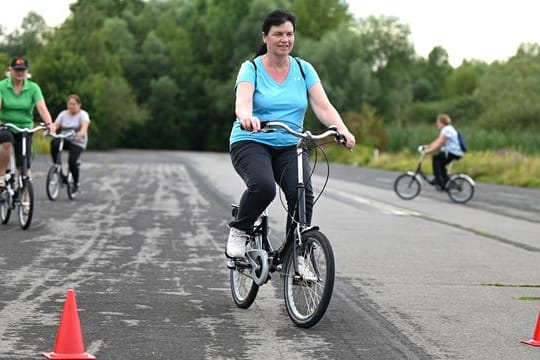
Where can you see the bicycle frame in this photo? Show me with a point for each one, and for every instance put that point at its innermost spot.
(265, 249)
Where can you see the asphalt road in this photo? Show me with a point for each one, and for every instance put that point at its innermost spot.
(142, 247)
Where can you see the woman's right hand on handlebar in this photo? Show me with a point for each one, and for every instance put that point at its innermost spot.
(251, 123)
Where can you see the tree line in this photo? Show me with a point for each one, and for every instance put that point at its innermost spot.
(160, 73)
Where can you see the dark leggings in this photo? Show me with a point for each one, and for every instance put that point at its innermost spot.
(439, 166)
(261, 167)
(73, 159)
(18, 147)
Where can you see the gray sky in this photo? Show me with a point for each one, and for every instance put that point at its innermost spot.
(467, 29)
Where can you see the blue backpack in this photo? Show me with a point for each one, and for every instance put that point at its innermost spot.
(462, 142)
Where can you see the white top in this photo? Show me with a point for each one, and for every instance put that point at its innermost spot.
(451, 145)
(68, 121)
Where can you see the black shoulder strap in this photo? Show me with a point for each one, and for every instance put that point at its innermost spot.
(300, 66)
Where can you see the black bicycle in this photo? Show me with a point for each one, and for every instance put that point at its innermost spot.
(306, 298)
(460, 187)
(19, 192)
(59, 174)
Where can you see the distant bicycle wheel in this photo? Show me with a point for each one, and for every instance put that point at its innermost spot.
(26, 205)
(307, 299)
(407, 186)
(5, 206)
(53, 183)
(460, 188)
(243, 287)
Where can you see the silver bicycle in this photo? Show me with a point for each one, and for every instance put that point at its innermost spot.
(19, 191)
(460, 187)
(59, 175)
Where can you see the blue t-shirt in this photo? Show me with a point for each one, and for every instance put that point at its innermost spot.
(272, 101)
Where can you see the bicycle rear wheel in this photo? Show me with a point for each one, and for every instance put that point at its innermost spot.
(407, 186)
(53, 183)
(5, 206)
(460, 189)
(307, 300)
(26, 205)
(243, 287)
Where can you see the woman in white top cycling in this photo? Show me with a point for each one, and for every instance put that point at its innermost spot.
(448, 142)
(72, 119)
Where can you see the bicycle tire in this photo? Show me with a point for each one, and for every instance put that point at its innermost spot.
(53, 183)
(70, 183)
(407, 186)
(5, 206)
(460, 189)
(26, 207)
(307, 301)
(243, 288)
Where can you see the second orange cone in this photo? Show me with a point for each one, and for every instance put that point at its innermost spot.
(69, 340)
(535, 341)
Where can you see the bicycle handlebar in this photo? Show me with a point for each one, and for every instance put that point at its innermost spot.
(16, 128)
(266, 126)
(69, 134)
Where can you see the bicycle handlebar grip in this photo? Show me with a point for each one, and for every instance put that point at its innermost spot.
(263, 125)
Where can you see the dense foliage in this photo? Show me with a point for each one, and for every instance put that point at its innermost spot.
(160, 73)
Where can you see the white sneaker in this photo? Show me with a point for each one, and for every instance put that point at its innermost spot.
(236, 244)
(305, 271)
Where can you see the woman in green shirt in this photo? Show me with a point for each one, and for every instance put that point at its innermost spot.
(18, 97)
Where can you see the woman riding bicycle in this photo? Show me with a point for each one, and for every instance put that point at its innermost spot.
(275, 87)
(72, 119)
(451, 150)
(18, 97)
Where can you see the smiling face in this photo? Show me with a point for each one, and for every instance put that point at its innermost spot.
(280, 39)
(18, 75)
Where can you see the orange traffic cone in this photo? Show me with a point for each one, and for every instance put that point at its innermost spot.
(69, 341)
(535, 341)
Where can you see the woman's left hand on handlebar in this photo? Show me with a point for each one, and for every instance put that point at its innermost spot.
(51, 128)
(349, 138)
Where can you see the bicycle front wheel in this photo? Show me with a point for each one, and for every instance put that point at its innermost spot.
(70, 186)
(407, 186)
(53, 183)
(460, 189)
(307, 299)
(5, 206)
(26, 204)
(243, 287)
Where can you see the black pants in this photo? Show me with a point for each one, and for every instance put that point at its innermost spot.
(261, 167)
(439, 166)
(18, 147)
(73, 159)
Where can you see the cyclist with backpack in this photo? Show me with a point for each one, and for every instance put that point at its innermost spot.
(451, 149)
(274, 86)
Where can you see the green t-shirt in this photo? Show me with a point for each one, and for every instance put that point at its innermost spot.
(19, 109)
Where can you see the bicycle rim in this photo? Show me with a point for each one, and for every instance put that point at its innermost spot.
(307, 301)
(407, 186)
(26, 205)
(460, 190)
(5, 206)
(53, 183)
(243, 288)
